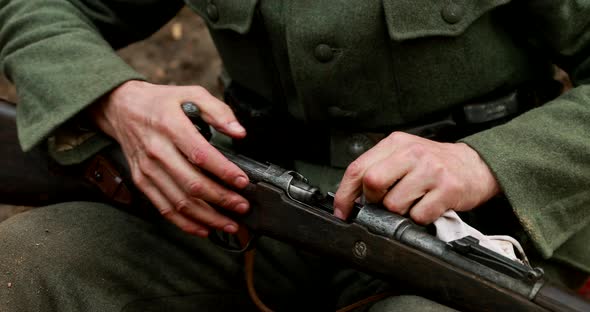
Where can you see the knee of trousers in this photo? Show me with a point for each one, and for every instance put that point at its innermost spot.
(56, 249)
(71, 231)
(408, 303)
(92, 257)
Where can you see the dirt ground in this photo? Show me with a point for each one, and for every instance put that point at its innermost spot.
(181, 53)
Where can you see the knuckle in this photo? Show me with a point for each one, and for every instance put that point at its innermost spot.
(195, 188)
(438, 169)
(392, 205)
(226, 173)
(417, 150)
(137, 176)
(396, 136)
(436, 172)
(419, 217)
(373, 180)
(166, 212)
(145, 166)
(225, 200)
(153, 149)
(181, 205)
(453, 185)
(139, 179)
(158, 122)
(151, 153)
(354, 170)
(198, 156)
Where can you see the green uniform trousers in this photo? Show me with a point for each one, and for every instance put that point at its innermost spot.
(92, 257)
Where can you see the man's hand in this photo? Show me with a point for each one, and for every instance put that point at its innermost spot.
(407, 173)
(168, 156)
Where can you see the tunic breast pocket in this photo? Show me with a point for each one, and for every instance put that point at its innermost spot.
(235, 28)
(446, 52)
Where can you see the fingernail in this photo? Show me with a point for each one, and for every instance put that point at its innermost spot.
(235, 126)
(338, 214)
(230, 228)
(241, 182)
(202, 233)
(242, 207)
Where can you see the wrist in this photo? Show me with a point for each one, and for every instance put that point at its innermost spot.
(484, 176)
(103, 112)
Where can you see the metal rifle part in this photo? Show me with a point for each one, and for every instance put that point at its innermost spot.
(295, 185)
(286, 207)
(471, 258)
(193, 112)
(469, 247)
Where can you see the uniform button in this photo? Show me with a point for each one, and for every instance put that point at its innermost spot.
(324, 53)
(212, 12)
(452, 13)
(359, 144)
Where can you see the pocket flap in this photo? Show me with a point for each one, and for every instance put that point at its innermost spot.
(235, 15)
(407, 19)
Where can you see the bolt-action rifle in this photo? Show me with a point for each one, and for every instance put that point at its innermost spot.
(461, 273)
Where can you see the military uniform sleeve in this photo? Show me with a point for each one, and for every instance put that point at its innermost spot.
(60, 55)
(542, 158)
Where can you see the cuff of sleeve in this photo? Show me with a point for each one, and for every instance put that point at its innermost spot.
(537, 178)
(92, 144)
(35, 127)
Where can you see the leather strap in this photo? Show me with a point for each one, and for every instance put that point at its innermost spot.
(101, 173)
(244, 237)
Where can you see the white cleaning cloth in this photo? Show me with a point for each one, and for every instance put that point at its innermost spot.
(450, 227)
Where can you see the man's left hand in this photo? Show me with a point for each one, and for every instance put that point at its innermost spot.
(410, 174)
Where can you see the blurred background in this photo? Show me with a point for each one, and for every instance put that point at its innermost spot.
(181, 53)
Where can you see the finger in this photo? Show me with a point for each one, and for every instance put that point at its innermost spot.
(351, 187)
(211, 217)
(381, 177)
(202, 154)
(169, 213)
(198, 185)
(215, 112)
(428, 209)
(404, 194)
(413, 185)
(190, 207)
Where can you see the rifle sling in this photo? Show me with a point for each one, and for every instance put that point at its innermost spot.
(244, 236)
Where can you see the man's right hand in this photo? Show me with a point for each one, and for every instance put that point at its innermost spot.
(168, 156)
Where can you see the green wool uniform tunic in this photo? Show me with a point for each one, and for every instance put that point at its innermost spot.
(374, 64)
